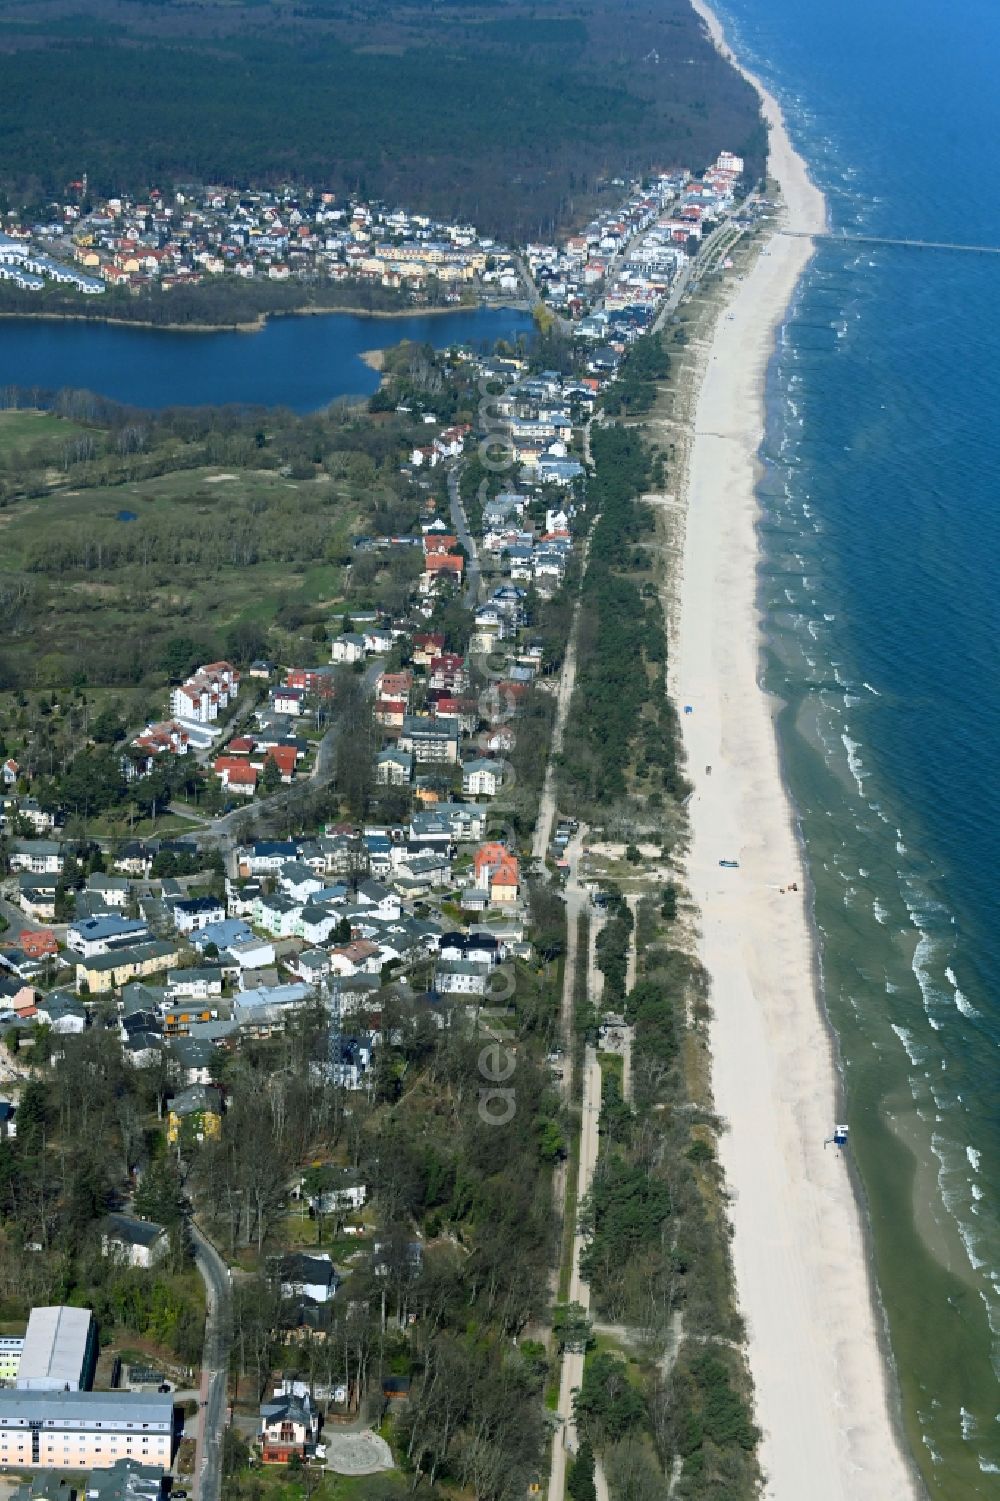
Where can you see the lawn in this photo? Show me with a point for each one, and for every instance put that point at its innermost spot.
(273, 1483)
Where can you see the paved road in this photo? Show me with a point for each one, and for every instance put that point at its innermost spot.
(19, 922)
(690, 269)
(564, 1442)
(215, 1368)
(564, 694)
(460, 522)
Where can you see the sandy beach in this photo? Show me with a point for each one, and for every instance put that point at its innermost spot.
(823, 1397)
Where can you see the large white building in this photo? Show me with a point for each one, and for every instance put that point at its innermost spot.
(203, 696)
(59, 1351)
(73, 1430)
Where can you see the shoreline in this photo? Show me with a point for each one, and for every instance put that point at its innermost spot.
(252, 326)
(817, 1347)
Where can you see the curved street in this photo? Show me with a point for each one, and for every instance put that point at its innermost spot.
(215, 1367)
(460, 522)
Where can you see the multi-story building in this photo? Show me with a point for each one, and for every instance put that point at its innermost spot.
(429, 739)
(202, 696)
(79, 1430)
(11, 1346)
(111, 971)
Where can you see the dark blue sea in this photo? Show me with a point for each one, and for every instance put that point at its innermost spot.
(879, 586)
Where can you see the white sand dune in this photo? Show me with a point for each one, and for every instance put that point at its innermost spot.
(823, 1399)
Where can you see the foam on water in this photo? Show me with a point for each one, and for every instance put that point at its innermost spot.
(961, 1000)
(854, 760)
(907, 1039)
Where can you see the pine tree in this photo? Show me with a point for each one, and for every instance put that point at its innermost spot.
(580, 1482)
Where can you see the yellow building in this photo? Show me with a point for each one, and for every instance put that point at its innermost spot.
(110, 971)
(197, 1109)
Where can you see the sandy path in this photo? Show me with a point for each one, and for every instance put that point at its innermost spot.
(801, 1267)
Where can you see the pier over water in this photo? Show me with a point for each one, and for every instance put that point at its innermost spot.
(846, 239)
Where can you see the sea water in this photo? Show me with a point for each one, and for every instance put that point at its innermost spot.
(880, 536)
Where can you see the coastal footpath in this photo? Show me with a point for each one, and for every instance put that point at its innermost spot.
(824, 1400)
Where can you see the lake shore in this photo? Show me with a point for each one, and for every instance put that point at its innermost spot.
(251, 326)
(817, 1352)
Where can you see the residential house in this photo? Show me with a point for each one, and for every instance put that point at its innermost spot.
(178, 1019)
(496, 872)
(460, 977)
(288, 1429)
(298, 881)
(318, 921)
(194, 984)
(265, 857)
(37, 857)
(100, 935)
(373, 895)
(112, 970)
(448, 673)
(308, 1275)
(126, 1480)
(357, 956)
(196, 913)
(288, 700)
(236, 775)
(198, 1109)
(427, 646)
(267, 1008)
(133, 1242)
(348, 648)
(394, 685)
(390, 713)
(62, 1013)
(377, 640)
(113, 890)
(36, 896)
(482, 777)
(430, 739)
(134, 858)
(394, 767)
(278, 915)
(251, 953)
(377, 849)
(417, 870)
(195, 1057)
(312, 966)
(222, 934)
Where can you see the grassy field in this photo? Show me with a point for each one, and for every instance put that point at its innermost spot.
(112, 574)
(21, 431)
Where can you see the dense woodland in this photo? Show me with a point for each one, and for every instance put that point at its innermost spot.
(219, 301)
(657, 1255)
(515, 119)
(622, 715)
(479, 1196)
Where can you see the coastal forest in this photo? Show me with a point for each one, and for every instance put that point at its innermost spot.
(515, 116)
